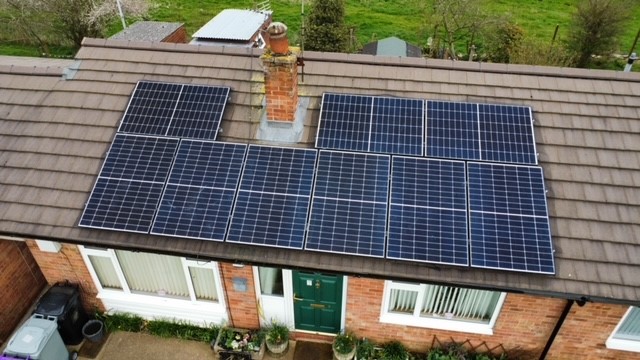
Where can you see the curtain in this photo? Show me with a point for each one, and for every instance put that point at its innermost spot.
(459, 303)
(106, 272)
(630, 328)
(270, 280)
(204, 283)
(152, 273)
(403, 301)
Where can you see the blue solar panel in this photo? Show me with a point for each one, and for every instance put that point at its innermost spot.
(199, 195)
(397, 126)
(199, 112)
(128, 189)
(506, 134)
(273, 197)
(509, 218)
(150, 108)
(345, 122)
(428, 211)
(349, 207)
(452, 130)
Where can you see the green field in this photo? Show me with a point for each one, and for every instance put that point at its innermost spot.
(376, 19)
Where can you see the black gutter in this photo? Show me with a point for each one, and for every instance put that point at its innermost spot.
(556, 329)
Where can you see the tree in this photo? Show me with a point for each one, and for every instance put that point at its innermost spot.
(502, 42)
(65, 21)
(326, 30)
(594, 28)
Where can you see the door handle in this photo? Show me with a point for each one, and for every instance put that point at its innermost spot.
(296, 298)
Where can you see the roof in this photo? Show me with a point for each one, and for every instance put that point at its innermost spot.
(392, 46)
(54, 132)
(148, 31)
(233, 24)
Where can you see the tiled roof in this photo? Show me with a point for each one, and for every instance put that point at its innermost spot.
(54, 132)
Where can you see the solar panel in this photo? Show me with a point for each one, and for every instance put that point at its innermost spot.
(150, 108)
(428, 211)
(129, 186)
(508, 218)
(397, 126)
(345, 122)
(349, 206)
(452, 130)
(506, 134)
(199, 112)
(273, 197)
(198, 199)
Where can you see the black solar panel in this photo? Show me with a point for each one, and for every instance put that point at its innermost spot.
(128, 189)
(199, 112)
(199, 195)
(397, 126)
(452, 130)
(428, 211)
(345, 122)
(506, 134)
(273, 197)
(185, 111)
(508, 218)
(349, 206)
(151, 108)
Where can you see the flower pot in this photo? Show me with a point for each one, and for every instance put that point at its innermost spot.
(219, 347)
(278, 349)
(347, 356)
(93, 331)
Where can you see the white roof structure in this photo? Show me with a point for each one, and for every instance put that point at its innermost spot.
(233, 24)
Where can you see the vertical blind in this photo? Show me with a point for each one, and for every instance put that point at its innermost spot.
(403, 301)
(152, 273)
(630, 328)
(204, 283)
(106, 272)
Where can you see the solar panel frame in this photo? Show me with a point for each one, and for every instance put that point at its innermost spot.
(397, 126)
(442, 138)
(498, 233)
(506, 134)
(199, 118)
(358, 207)
(161, 97)
(202, 184)
(428, 211)
(274, 193)
(354, 131)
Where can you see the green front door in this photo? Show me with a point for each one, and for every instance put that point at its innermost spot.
(317, 301)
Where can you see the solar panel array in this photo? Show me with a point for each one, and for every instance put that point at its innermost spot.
(185, 111)
(396, 178)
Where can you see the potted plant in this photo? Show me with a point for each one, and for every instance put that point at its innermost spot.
(393, 350)
(248, 342)
(365, 350)
(344, 346)
(277, 338)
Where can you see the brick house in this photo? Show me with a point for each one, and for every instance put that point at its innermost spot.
(56, 131)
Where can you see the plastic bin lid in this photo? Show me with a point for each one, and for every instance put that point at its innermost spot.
(32, 336)
(55, 300)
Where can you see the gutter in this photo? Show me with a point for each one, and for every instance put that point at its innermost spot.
(556, 329)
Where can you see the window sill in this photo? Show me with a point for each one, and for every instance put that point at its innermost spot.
(624, 345)
(440, 324)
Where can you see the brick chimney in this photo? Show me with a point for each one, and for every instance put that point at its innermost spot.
(281, 75)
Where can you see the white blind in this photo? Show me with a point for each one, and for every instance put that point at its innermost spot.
(270, 281)
(403, 301)
(630, 328)
(152, 273)
(459, 303)
(106, 272)
(204, 283)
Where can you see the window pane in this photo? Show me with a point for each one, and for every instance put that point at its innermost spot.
(630, 328)
(459, 303)
(270, 281)
(106, 272)
(204, 283)
(402, 301)
(151, 273)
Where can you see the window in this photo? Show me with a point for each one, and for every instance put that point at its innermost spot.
(626, 335)
(441, 307)
(270, 281)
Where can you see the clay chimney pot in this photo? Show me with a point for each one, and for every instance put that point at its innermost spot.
(278, 40)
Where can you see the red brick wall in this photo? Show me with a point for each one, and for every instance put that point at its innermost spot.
(524, 324)
(21, 282)
(68, 265)
(585, 332)
(281, 87)
(243, 308)
(178, 36)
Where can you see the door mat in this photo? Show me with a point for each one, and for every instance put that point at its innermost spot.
(307, 350)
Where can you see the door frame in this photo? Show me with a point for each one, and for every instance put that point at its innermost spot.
(287, 300)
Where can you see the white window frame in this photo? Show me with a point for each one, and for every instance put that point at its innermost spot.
(429, 322)
(622, 344)
(150, 306)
